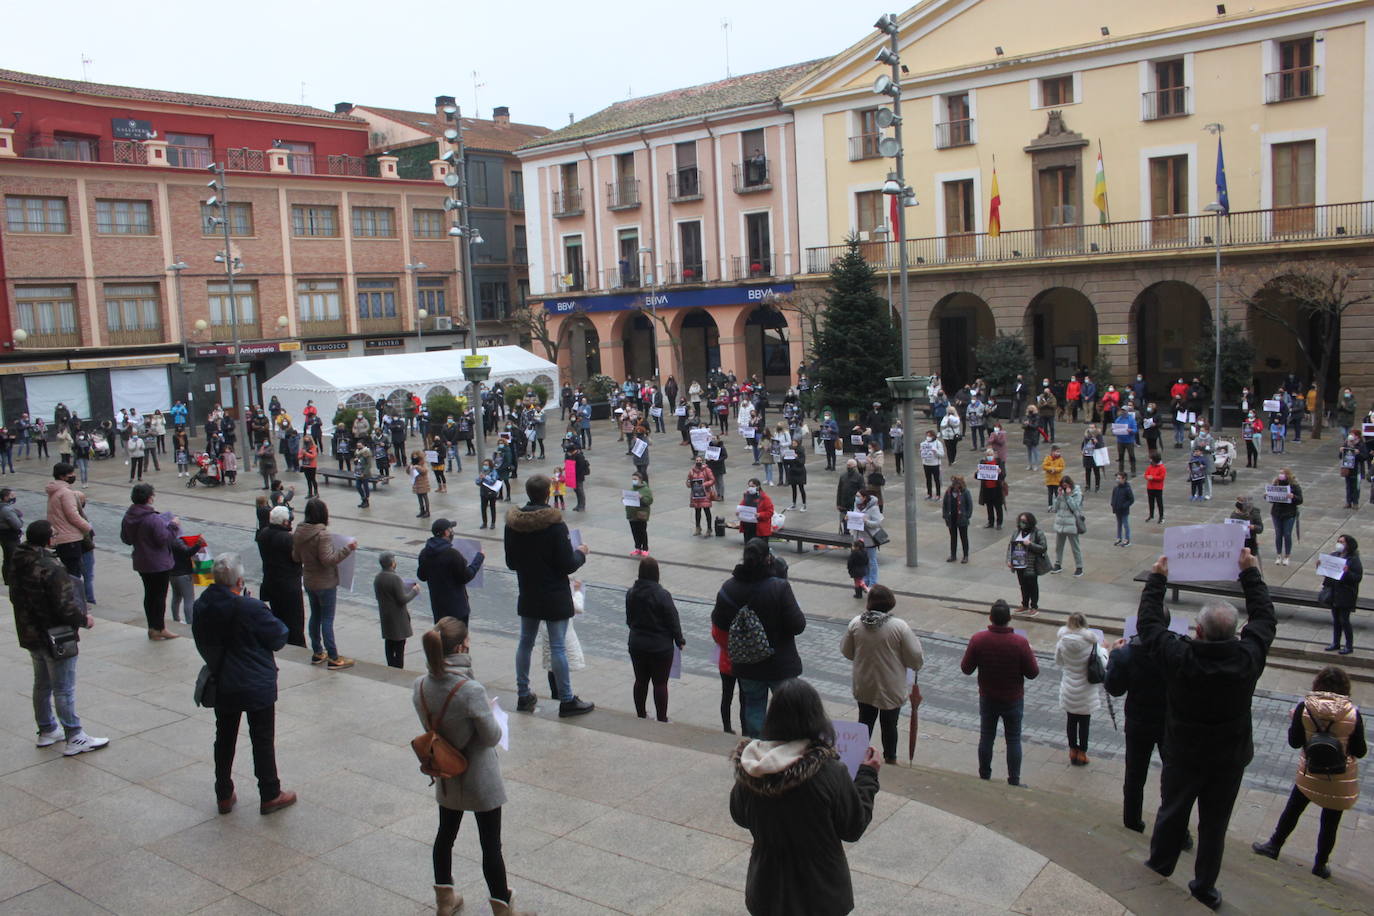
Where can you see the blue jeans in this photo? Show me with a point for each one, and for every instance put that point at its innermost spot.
(768, 474)
(88, 574)
(362, 488)
(1283, 535)
(558, 652)
(1178, 433)
(83, 465)
(54, 682)
(1033, 456)
(1123, 527)
(23, 446)
(871, 577)
(989, 712)
(7, 460)
(322, 603)
(753, 698)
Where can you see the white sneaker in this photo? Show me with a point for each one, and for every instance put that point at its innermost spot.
(82, 743)
(48, 739)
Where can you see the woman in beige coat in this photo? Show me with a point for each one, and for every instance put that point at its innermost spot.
(882, 648)
(313, 547)
(1328, 708)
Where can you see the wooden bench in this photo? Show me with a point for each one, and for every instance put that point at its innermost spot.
(1297, 597)
(821, 538)
(349, 479)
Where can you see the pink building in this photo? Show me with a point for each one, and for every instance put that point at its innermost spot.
(663, 234)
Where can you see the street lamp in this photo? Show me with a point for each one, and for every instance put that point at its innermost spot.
(186, 365)
(219, 202)
(456, 181)
(414, 270)
(1220, 211)
(895, 184)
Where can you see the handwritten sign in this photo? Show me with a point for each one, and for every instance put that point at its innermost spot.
(639, 447)
(746, 432)
(895, 432)
(1273, 406)
(854, 521)
(789, 454)
(629, 498)
(502, 719)
(1121, 429)
(1101, 457)
(713, 453)
(851, 742)
(1239, 521)
(1178, 623)
(348, 564)
(655, 411)
(1276, 493)
(493, 485)
(675, 671)
(680, 411)
(856, 440)
(1149, 422)
(1330, 566)
(432, 456)
(748, 514)
(1203, 553)
(988, 472)
(701, 439)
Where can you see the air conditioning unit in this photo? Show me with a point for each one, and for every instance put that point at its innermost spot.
(443, 323)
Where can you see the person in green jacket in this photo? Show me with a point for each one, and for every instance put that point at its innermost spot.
(638, 515)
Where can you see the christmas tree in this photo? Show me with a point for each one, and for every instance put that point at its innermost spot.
(858, 345)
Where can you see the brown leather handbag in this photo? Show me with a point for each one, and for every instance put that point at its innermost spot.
(438, 758)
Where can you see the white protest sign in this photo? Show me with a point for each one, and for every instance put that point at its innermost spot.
(857, 440)
(713, 453)
(680, 411)
(502, 719)
(747, 513)
(629, 498)
(468, 548)
(675, 671)
(432, 456)
(1178, 623)
(349, 563)
(988, 472)
(854, 521)
(1121, 429)
(1181, 417)
(1239, 521)
(789, 454)
(639, 448)
(701, 439)
(746, 432)
(1330, 566)
(575, 536)
(1203, 553)
(1149, 422)
(1101, 457)
(895, 432)
(1367, 430)
(1276, 493)
(851, 742)
(655, 411)
(1273, 406)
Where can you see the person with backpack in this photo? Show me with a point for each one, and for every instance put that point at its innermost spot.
(1082, 668)
(1328, 728)
(461, 729)
(762, 619)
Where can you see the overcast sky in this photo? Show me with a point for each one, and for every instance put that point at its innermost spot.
(543, 58)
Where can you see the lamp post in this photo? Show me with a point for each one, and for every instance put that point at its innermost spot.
(238, 370)
(420, 314)
(902, 388)
(1219, 210)
(456, 180)
(186, 365)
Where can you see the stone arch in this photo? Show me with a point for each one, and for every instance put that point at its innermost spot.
(1168, 320)
(957, 322)
(398, 402)
(1281, 338)
(583, 347)
(1061, 329)
(700, 336)
(767, 340)
(637, 333)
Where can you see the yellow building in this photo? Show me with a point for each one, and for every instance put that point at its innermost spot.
(1037, 91)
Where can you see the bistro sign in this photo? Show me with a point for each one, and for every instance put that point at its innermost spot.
(382, 343)
(673, 299)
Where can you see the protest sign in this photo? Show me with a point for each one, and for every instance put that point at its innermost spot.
(747, 513)
(629, 498)
(894, 433)
(988, 472)
(856, 440)
(1278, 493)
(493, 485)
(1101, 457)
(1178, 623)
(1203, 553)
(680, 411)
(1367, 430)
(639, 447)
(655, 411)
(701, 439)
(851, 742)
(1239, 521)
(789, 454)
(854, 521)
(348, 564)
(432, 456)
(502, 719)
(1273, 406)
(468, 548)
(1121, 429)
(713, 453)
(570, 473)
(746, 432)
(1330, 566)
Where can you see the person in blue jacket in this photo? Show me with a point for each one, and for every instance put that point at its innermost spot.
(830, 432)
(1125, 442)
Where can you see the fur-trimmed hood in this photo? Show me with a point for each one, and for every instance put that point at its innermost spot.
(773, 768)
(532, 517)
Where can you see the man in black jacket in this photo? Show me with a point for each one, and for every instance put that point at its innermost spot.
(281, 575)
(1210, 681)
(236, 635)
(851, 482)
(540, 550)
(448, 574)
(754, 584)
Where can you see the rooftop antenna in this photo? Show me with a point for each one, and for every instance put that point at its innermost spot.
(725, 31)
(302, 92)
(86, 67)
(476, 109)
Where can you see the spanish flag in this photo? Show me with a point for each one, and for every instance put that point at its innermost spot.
(995, 211)
(1100, 189)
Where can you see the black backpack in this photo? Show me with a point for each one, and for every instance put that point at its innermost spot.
(1323, 752)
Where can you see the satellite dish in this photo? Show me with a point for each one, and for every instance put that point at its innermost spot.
(451, 180)
(885, 117)
(889, 147)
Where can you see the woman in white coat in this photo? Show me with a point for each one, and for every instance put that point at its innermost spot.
(1077, 697)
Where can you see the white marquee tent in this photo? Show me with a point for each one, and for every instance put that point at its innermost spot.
(334, 383)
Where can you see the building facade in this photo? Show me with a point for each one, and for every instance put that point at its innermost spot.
(664, 233)
(105, 190)
(1034, 95)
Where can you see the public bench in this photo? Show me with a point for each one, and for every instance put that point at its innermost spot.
(1297, 597)
(349, 479)
(818, 538)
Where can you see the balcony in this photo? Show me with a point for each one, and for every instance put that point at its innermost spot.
(1287, 85)
(517, 200)
(322, 327)
(248, 329)
(949, 134)
(1164, 103)
(567, 203)
(753, 267)
(753, 175)
(133, 336)
(391, 325)
(626, 277)
(56, 339)
(1169, 234)
(123, 152)
(622, 194)
(189, 157)
(520, 255)
(570, 282)
(684, 184)
(864, 146)
(686, 272)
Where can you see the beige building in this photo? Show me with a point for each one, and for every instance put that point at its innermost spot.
(1036, 92)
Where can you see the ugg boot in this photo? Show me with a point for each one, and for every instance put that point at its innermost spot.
(447, 901)
(502, 908)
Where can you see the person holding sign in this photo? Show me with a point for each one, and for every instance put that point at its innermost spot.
(1092, 441)
(1342, 592)
(830, 432)
(637, 501)
(639, 451)
(1351, 458)
(1210, 681)
(1246, 511)
(1251, 430)
(655, 637)
(798, 801)
(488, 491)
(700, 482)
(1124, 428)
(992, 478)
(1285, 496)
(932, 453)
(883, 648)
(872, 533)
(755, 499)
(1028, 557)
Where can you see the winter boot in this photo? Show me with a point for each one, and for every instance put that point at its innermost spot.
(502, 908)
(447, 901)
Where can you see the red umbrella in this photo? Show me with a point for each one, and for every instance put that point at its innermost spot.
(915, 722)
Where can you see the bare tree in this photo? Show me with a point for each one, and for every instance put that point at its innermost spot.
(1323, 292)
(674, 342)
(532, 321)
(809, 306)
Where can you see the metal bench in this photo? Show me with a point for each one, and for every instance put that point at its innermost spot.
(817, 538)
(349, 479)
(1297, 597)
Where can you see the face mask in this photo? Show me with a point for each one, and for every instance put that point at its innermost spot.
(635, 483)
(1240, 505)
(989, 456)
(1283, 478)
(71, 479)
(486, 467)
(751, 490)
(1025, 526)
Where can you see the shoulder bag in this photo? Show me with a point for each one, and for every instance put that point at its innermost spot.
(438, 759)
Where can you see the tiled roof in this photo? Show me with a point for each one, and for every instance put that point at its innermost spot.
(735, 92)
(174, 98)
(477, 133)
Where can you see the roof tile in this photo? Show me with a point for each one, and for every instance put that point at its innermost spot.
(477, 133)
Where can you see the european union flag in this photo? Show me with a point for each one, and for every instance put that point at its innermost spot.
(1222, 197)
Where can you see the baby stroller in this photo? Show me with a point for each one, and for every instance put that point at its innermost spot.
(1224, 460)
(209, 473)
(100, 447)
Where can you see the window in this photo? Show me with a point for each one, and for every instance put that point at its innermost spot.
(240, 219)
(960, 219)
(1295, 185)
(429, 224)
(37, 214)
(957, 127)
(493, 300)
(625, 166)
(567, 176)
(376, 299)
(302, 158)
(1169, 96)
(245, 303)
(1297, 75)
(477, 183)
(517, 191)
(521, 252)
(685, 180)
(1059, 196)
(188, 151)
(132, 307)
(315, 221)
(374, 222)
(759, 237)
(572, 263)
(689, 241)
(864, 145)
(317, 300)
(46, 310)
(1056, 90)
(124, 217)
(431, 295)
(522, 292)
(868, 210)
(71, 146)
(755, 158)
(1169, 197)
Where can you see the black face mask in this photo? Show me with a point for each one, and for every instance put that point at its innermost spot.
(71, 479)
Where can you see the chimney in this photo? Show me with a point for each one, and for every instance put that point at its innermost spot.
(440, 101)
(501, 114)
(343, 107)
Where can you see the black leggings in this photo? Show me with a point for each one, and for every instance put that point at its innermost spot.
(651, 666)
(155, 587)
(795, 488)
(639, 530)
(488, 834)
(1156, 501)
(727, 696)
(488, 502)
(1326, 835)
(958, 533)
(439, 479)
(994, 513)
(1078, 731)
(311, 488)
(395, 650)
(829, 454)
(1090, 472)
(697, 510)
(1251, 454)
(1030, 588)
(887, 722)
(1340, 627)
(932, 472)
(423, 499)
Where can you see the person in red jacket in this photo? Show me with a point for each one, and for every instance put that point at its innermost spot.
(1004, 662)
(727, 678)
(1073, 394)
(1154, 486)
